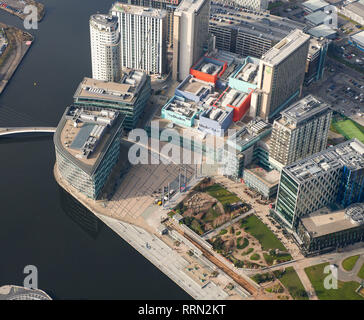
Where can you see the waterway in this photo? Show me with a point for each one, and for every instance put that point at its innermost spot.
(77, 256)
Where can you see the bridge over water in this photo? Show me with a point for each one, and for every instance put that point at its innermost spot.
(17, 130)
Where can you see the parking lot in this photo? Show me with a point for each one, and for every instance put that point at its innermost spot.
(343, 89)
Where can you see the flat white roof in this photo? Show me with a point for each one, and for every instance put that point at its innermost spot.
(315, 5)
(317, 17)
(359, 38)
(321, 31)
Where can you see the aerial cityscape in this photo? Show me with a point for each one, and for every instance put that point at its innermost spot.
(182, 150)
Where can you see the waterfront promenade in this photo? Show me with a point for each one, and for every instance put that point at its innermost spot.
(140, 231)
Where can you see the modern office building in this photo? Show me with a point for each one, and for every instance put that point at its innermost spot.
(281, 75)
(87, 144)
(129, 96)
(105, 47)
(142, 37)
(255, 5)
(316, 58)
(248, 34)
(168, 5)
(190, 35)
(335, 175)
(240, 148)
(263, 181)
(301, 131)
(325, 229)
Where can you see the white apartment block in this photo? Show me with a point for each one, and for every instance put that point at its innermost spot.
(105, 47)
(301, 131)
(190, 35)
(142, 37)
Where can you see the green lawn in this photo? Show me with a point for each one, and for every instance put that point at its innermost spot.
(255, 257)
(262, 233)
(345, 290)
(361, 272)
(293, 284)
(349, 129)
(349, 263)
(221, 194)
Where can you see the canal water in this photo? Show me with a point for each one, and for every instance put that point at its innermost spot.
(77, 256)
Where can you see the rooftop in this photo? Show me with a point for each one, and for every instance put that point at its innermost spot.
(266, 26)
(322, 31)
(270, 178)
(285, 47)
(126, 90)
(104, 20)
(356, 7)
(349, 153)
(184, 108)
(194, 86)
(325, 221)
(314, 5)
(249, 72)
(190, 6)
(315, 45)
(317, 17)
(302, 110)
(359, 38)
(84, 135)
(138, 10)
(255, 129)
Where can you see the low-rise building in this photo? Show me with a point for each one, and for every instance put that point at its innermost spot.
(326, 229)
(354, 10)
(263, 181)
(87, 144)
(357, 40)
(314, 5)
(181, 111)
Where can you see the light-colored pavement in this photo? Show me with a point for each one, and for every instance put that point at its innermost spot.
(165, 258)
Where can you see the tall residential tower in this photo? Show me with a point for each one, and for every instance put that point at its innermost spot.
(142, 37)
(105, 47)
(190, 35)
(301, 131)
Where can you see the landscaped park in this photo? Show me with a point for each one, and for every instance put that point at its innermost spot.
(249, 243)
(209, 206)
